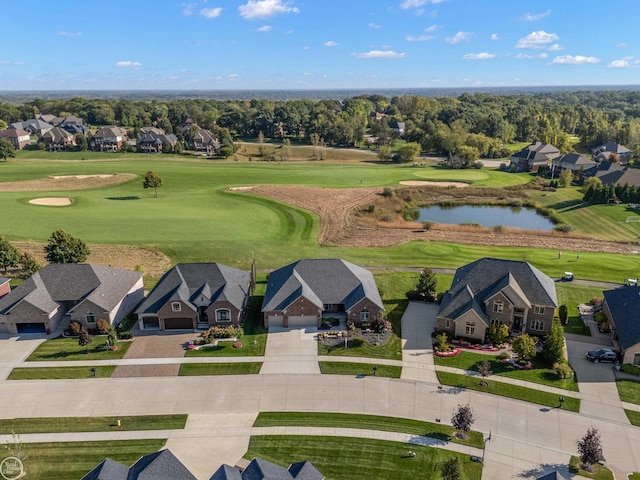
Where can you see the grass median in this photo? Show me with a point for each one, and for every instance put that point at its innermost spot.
(91, 424)
(63, 348)
(360, 369)
(629, 390)
(61, 373)
(238, 368)
(357, 347)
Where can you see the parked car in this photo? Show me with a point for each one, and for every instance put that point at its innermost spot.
(602, 355)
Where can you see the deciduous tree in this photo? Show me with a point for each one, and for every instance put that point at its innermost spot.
(6, 150)
(9, 256)
(452, 469)
(590, 448)
(29, 264)
(64, 248)
(84, 338)
(462, 420)
(525, 346)
(152, 180)
(408, 152)
(554, 343)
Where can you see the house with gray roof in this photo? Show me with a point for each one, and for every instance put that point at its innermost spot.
(18, 137)
(302, 293)
(575, 162)
(260, 469)
(622, 308)
(601, 153)
(34, 126)
(108, 139)
(533, 156)
(57, 140)
(492, 291)
(194, 296)
(60, 293)
(204, 141)
(153, 140)
(162, 465)
(554, 475)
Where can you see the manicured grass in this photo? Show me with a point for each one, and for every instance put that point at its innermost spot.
(91, 424)
(542, 372)
(391, 350)
(62, 348)
(634, 418)
(507, 390)
(340, 458)
(240, 368)
(601, 472)
(73, 460)
(367, 422)
(56, 373)
(359, 369)
(634, 476)
(629, 390)
(572, 295)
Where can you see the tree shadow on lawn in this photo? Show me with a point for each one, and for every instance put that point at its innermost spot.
(131, 197)
(568, 205)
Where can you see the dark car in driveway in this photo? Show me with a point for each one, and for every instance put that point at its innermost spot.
(602, 355)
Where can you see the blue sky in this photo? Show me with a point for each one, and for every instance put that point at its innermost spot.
(309, 44)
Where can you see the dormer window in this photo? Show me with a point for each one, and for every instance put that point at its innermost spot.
(498, 307)
(176, 307)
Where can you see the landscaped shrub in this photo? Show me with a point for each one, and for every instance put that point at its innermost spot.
(428, 224)
(629, 368)
(563, 227)
(127, 335)
(102, 326)
(228, 331)
(380, 326)
(74, 327)
(563, 313)
(562, 370)
(595, 301)
(503, 356)
(443, 345)
(600, 317)
(126, 323)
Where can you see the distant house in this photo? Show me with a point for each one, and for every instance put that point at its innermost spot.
(17, 137)
(377, 116)
(304, 292)
(533, 156)
(492, 291)
(196, 295)
(58, 140)
(108, 139)
(34, 126)
(614, 174)
(204, 141)
(259, 469)
(60, 293)
(61, 121)
(575, 162)
(397, 127)
(162, 465)
(622, 307)
(152, 139)
(5, 286)
(601, 153)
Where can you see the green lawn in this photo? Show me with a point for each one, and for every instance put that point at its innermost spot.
(73, 460)
(340, 458)
(541, 373)
(21, 426)
(57, 373)
(634, 418)
(572, 295)
(634, 476)
(629, 390)
(359, 369)
(62, 348)
(357, 347)
(367, 422)
(601, 472)
(506, 390)
(241, 368)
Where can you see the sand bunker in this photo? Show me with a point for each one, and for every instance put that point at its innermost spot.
(422, 183)
(67, 182)
(241, 189)
(82, 177)
(51, 201)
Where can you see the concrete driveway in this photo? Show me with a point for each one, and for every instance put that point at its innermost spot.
(291, 350)
(418, 322)
(15, 349)
(597, 384)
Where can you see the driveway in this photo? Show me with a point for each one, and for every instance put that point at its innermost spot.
(598, 389)
(291, 350)
(418, 322)
(15, 349)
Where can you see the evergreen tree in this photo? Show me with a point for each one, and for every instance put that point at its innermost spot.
(554, 344)
(426, 287)
(9, 256)
(84, 338)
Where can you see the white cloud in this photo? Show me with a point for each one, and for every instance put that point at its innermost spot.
(128, 64)
(433, 28)
(525, 56)
(407, 4)
(264, 28)
(233, 76)
(494, 36)
(574, 60)
(265, 8)
(479, 56)
(373, 25)
(187, 8)
(532, 17)
(556, 47)
(380, 54)
(331, 43)
(307, 74)
(538, 39)
(11, 62)
(419, 38)
(62, 33)
(211, 12)
(459, 37)
(622, 45)
(626, 62)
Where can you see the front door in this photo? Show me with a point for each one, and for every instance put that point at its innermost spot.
(202, 315)
(517, 324)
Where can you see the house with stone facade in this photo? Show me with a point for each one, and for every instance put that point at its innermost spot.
(16, 136)
(492, 291)
(58, 140)
(302, 293)
(533, 156)
(108, 139)
(622, 309)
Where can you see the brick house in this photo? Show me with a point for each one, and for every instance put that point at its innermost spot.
(204, 141)
(152, 140)
(196, 295)
(17, 137)
(304, 292)
(58, 140)
(495, 291)
(622, 308)
(108, 139)
(533, 156)
(602, 152)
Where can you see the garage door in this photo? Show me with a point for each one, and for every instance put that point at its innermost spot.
(276, 320)
(303, 321)
(151, 323)
(178, 324)
(31, 328)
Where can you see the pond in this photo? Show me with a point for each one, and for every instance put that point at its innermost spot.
(487, 216)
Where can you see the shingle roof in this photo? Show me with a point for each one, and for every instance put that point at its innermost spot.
(13, 133)
(612, 147)
(108, 470)
(187, 281)
(110, 131)
(57, 134)
(162, 465)
(555, 475)
(259, 469)
(227, 472)
(537, 151)
(305, 471)
(624, 305)
(573, 159)
(322, 281)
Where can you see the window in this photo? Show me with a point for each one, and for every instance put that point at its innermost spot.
(537, 325)
(495, 322)
(364, 315)
(176, 307)
(223, 315)
(90, 318)
(469, 329)
(538, 310)
(447, 323)
(498, 307)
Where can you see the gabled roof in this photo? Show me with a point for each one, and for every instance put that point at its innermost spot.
(555, 475)
(259, 469)
(573, 159)
(108, 470)
(305, 471)
(187, 282)
(162, 465)
(624, 305)
(629, 176)
(57, 134)
(612, 147)
(110, 131)
(13, 133)
(322, 281)
(537, 151)
(603, 168)
(227, 472)
(57, 283)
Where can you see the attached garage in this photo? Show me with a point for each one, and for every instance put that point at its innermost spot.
(303, 321)
(36, 327)
(178, 324)
(150, 323)
(276, 320)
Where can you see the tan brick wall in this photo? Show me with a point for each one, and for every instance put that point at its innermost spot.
(211, 313)
(374, 311)
(472, 319)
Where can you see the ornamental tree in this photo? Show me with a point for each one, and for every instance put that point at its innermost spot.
(525, 346)
(64, 248)
(152, 180)
(462, 420)
(590, 448)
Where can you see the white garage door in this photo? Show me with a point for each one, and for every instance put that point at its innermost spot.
(276, 320)
(303, 321)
